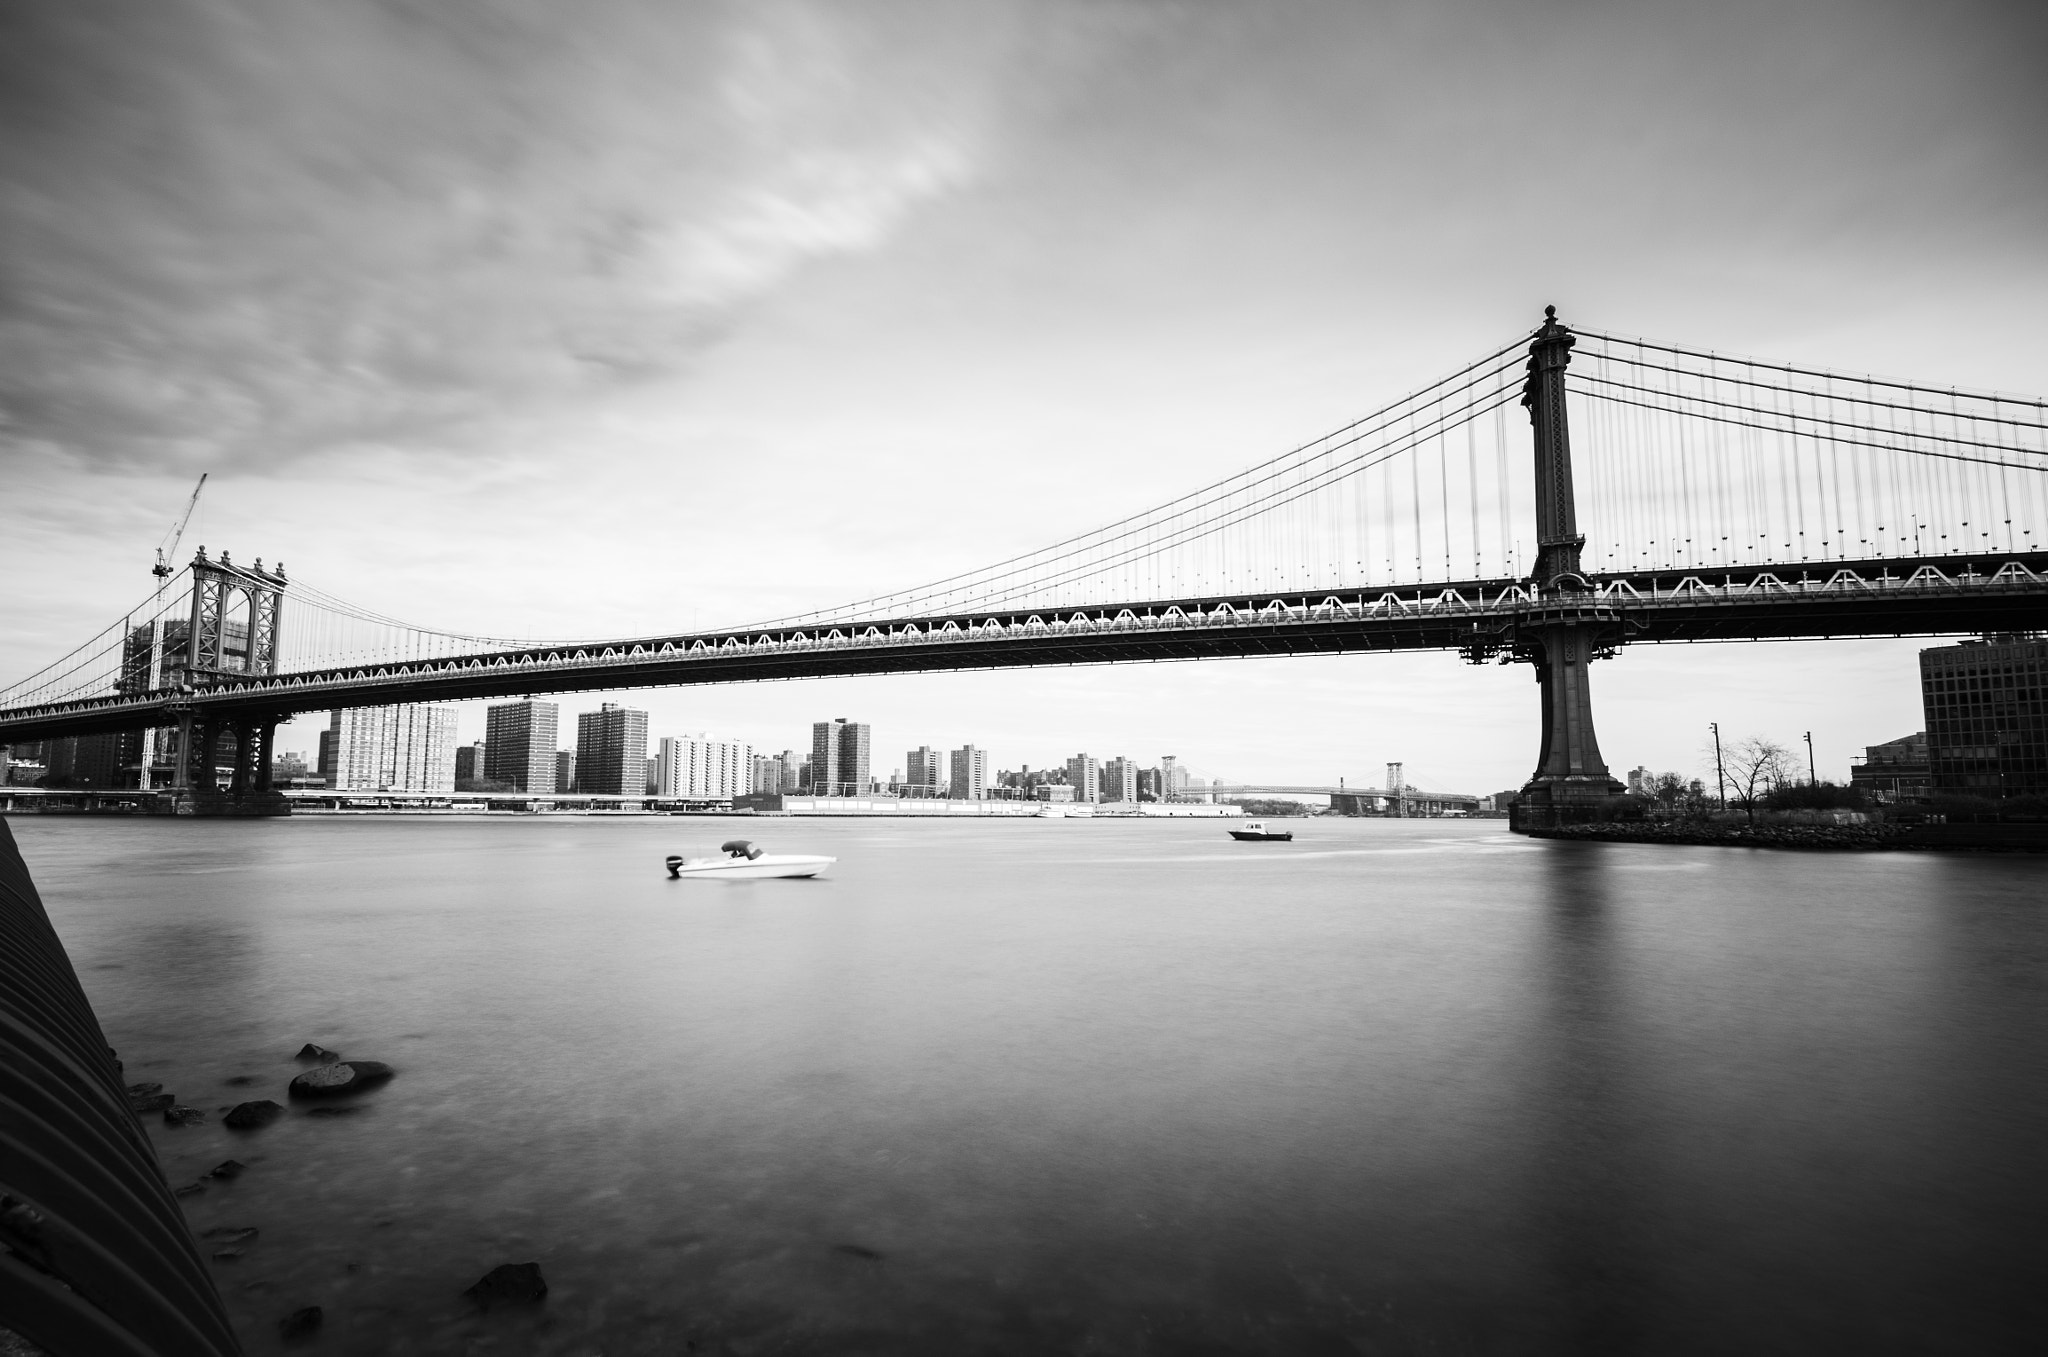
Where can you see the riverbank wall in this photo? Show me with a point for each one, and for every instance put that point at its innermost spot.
(1813, 837)
(99, 1258)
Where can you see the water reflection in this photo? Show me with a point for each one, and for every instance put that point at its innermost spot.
(1592, 1185)
(1102, 1087)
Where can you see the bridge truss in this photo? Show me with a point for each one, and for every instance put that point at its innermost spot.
(1724, 498)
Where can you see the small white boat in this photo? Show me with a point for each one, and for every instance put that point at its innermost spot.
(744, 862)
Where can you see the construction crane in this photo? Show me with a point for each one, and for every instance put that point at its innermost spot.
(162, 568)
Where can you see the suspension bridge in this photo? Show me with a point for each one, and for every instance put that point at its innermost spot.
(1677, 494)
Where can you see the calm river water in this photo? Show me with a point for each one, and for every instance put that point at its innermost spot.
(1092, 1087)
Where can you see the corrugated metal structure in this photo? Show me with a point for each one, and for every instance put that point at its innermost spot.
(98, 1258)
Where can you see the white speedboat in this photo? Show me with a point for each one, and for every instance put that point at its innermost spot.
(744, 862)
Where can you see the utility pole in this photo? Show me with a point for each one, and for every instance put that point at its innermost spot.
(1720, 779)
(1812, 778)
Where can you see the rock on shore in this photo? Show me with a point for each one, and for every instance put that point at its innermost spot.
(343, 1077)
(300, 1323)
(249, 1116)
(509, 1284)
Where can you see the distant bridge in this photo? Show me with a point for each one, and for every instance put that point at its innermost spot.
(1731, 499)
(1410, 799)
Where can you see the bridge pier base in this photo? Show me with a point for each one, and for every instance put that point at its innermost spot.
(248, 794)
(1571, 784)
(226, 805)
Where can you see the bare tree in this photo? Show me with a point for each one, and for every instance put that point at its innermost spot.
(1676, 793)
(1755, 766)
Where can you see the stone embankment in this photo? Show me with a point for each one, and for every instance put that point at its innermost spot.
(1751, 836)
(2020, 837)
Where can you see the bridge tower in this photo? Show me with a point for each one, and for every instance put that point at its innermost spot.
(1566, 627)
(235, 628)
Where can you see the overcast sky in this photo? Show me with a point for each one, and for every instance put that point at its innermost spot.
(629, 316)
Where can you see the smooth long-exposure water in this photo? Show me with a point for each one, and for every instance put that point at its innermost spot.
(1092, 1087)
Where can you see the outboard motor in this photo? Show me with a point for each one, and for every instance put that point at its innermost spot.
(674, 863)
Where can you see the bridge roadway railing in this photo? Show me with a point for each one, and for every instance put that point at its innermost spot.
(1833, 599)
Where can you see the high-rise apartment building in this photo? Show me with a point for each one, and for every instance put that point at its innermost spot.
(824, 761)
(1173, 779)
(469, 762)
(1120, 780)
(408, 748)
(1987, 716)
(519, 745)
(776, 773)
(925, 772)
(853, 759)
(565, 770)
(611, 751)
(839, 758)
(699, 768)
(969, 780)
(1084, 775)
(87, 760)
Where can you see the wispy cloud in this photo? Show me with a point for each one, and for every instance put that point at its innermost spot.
(255, 232)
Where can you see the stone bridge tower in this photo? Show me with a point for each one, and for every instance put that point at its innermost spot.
(1566, 627)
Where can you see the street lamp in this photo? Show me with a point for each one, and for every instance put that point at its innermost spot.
(1720, 780)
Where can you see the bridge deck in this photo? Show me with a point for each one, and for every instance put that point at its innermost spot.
(1920, 597)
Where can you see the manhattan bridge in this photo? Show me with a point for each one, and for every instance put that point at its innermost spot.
(1677, 495)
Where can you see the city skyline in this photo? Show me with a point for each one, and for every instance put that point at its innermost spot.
(1195, 283)
(1047, 448)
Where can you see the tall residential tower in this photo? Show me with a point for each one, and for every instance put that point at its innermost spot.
(611, 751)
(519, 745)
(839, 758)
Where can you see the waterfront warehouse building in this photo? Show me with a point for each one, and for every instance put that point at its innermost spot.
(699, 768)
(408, 748)
(1894, 771)
(611, 751)
(1987, 731)
(519, 745)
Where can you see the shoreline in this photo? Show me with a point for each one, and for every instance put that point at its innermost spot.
(2013, 838)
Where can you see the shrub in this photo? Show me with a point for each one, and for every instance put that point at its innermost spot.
(1815, 796)
(1981, 808)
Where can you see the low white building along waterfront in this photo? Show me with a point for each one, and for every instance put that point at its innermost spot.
(408, 748)
(699, 768)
